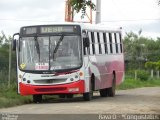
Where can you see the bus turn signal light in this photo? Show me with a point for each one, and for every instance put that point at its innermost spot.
(81, 74)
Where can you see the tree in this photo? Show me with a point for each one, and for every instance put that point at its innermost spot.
(151, 66)
(139, 49)
(81, 5)
(4, 52)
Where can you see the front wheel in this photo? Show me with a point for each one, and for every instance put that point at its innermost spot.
(88, 95)
(37, 98)
(69, 95)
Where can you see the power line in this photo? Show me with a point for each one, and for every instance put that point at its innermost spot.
(123, 20)
(132, 20)
(27, 20)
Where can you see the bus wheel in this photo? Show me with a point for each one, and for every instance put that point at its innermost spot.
(37, 98)
(69, 95)
(111, 90)
(62, 96)
(103, 92)
(88, 95)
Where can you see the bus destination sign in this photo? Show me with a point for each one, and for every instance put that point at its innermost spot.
(58, 29)
(29, 30)
(52, 29)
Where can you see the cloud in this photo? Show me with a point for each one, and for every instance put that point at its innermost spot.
(120, 13)
(17, 13)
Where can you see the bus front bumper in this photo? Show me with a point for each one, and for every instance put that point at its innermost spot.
(70, 88)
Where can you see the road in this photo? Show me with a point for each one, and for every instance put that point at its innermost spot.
(133, 101)
(140, 100)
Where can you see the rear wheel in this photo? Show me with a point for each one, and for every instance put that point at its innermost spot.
(37, 98)
(111, 90)
(103, 92)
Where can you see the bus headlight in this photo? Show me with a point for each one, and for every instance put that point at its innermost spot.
(71, 79)
(28, 81)
(76, 76)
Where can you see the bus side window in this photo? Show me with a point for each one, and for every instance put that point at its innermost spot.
(84, 48)
(113, 43)
(102, 43)
(116, 44)
(105, 42)
(110, 42)
(93, 42)
(120, 37)
(99, 43)
(90, 46)
(96, 43)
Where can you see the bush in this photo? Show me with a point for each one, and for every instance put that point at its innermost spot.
(142, 75)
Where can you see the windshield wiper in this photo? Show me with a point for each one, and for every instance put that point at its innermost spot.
(37, 47)
(58, 44)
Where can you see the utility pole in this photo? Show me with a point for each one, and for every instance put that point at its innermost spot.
(98, 11)
(69, 13)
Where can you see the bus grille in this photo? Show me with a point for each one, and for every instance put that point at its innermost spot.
(50, 89)
(50, 81)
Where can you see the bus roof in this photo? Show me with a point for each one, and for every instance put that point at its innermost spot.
(85, 26)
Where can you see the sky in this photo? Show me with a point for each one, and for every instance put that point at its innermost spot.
(131, 15)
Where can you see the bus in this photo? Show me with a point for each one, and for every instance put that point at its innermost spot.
(67, 59)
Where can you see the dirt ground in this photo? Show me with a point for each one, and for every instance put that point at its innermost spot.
(135, 101)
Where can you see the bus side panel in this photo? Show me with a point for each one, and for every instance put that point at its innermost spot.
(103, 67)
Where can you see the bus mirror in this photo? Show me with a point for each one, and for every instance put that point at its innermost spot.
(14, 44)
(14, 41)
(86, 42)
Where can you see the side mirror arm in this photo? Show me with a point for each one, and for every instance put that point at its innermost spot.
(14, 42)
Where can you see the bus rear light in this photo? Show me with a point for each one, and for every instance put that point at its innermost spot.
(73, 89)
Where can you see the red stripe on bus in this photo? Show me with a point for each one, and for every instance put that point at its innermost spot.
(27, 89)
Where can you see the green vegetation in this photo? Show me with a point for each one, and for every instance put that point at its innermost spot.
(9, 97)
(130, 83)
(80, 5)
(142, 56)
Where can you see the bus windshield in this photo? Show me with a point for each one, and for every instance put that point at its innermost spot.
(59, 52)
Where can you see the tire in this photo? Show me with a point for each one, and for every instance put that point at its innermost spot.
(62, 96)
(69, 95)
(111, 90)
(37, 98)
(103, 92)
(89, 95)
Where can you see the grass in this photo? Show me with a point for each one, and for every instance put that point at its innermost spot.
(130, 83)
(9, 97)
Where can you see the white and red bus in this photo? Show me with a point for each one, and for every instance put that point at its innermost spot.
(67, 59)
